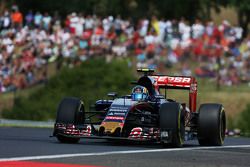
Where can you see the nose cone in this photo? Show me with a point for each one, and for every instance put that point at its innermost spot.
(111, 127)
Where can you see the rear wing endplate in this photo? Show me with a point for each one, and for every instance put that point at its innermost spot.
(178, 82)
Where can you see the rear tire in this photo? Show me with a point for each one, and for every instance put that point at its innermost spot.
(70, 111)
(172, 118)
(211, 125)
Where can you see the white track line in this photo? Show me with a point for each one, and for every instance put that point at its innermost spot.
(116, 152)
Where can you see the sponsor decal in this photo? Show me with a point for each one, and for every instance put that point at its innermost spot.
(116, 114)
(118, 109)
(115, 118)
(120, 113)
(179, 79)
(169, 80)
(110, 113)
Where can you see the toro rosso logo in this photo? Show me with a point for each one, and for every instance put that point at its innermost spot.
(166, 80)
(179, 80)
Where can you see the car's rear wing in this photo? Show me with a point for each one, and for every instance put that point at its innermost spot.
(170, 82)
(178, 82)
(174, 82)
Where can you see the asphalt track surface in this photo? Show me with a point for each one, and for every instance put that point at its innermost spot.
(34, 146)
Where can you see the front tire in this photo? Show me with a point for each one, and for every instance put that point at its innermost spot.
(172, 120)
(211, 125)
(70, 111)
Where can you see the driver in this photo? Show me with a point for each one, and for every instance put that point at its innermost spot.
(139, 93)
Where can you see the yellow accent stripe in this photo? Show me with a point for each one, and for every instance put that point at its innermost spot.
(179, 126)
(221, 111)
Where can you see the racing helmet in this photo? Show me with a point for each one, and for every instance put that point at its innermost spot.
(139, 93)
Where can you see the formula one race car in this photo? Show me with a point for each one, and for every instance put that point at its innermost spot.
(144, 115)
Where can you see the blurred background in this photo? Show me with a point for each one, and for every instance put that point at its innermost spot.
(51, 49)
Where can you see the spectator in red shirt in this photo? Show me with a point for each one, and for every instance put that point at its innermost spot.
(17, 19)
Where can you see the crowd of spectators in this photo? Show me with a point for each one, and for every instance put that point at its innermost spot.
(29, 42)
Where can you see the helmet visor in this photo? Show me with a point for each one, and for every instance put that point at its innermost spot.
(137, 96)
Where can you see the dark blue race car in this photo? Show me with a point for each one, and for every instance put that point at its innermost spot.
(144, 115)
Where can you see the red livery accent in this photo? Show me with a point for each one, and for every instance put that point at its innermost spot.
(72, 130)
(115, 118)
(144, 134)
(173, 81)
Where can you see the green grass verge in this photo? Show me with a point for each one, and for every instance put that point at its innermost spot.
(90, 81)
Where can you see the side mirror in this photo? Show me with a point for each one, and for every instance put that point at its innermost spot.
(113, 95)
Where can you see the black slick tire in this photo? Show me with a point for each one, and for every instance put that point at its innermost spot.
(211, 125)
(70, 111)
(172, 118)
